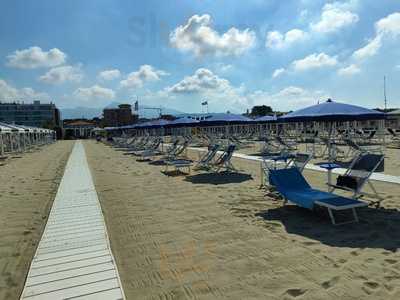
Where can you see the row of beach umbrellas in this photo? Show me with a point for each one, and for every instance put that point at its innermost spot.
(325, 112)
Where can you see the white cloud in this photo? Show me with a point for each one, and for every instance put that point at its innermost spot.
(314, 61)
(219, 92)
(109, 74)
(278, 72)
(277, 40)
(334, 17)
(369, 50)
(205, 84)
(35, 57)
(288, 98)
(94, 92)
(199, 37)
(349, 71)
(202, 80)
(145, 73)
(10, 93)
(386, 28)
(62, 74)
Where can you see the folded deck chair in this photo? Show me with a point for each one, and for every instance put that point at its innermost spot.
(289, 145)
(206, 160)
(354, 147)
(153, 150)
(140, 144)
(393, 134)
(332, 149)
(293, 187)
(178, 151)
(301, 160)
(270, 148)
(178, 164)
(224, 160)
(358, 175)
(172, 148)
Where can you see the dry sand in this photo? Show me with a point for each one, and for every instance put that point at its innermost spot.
(219, 237)
(28, 186)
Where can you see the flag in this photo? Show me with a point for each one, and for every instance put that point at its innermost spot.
(204, 103)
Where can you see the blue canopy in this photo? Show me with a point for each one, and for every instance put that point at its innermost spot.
(153, 124)
(225, 119)
(182, 122)
(332, 111)
(266, 119)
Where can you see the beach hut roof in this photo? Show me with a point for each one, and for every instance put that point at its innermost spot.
(332, 111)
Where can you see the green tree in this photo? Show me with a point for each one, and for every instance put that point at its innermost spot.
(261, 110)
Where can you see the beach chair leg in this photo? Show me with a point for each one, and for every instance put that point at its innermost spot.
(355, 214)
(331, 216)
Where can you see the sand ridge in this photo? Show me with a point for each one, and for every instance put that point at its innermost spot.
(186, 238)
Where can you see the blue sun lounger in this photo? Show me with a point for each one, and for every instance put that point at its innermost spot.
(291, 184)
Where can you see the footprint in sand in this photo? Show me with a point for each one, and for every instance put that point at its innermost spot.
(330, 283)
(371, 285)
(355, 253)
(295, 292)
(391, 261)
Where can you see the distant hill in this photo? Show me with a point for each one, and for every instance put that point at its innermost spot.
(90, 112)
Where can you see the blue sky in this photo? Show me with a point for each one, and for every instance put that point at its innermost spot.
(235, 54)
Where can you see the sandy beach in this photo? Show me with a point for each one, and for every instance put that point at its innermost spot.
(207, 236)
(28, 186)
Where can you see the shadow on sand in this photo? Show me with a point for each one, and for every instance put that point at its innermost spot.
(158, 162)
(174, 173)
(378, 228)
(218, 178)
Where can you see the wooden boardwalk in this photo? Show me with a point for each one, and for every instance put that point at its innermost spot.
(74, 258)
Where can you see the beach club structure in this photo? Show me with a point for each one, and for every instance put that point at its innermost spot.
(19, 138)
(331, 132)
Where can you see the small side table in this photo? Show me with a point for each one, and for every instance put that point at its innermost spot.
(329, 167)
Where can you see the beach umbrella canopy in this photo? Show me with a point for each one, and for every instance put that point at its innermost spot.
(394, 112)
(152, 124)
(13, 127)
(183, 122)
(332, 111)
(158, 123)
(265, 119)
(4, 128)
(221, 119)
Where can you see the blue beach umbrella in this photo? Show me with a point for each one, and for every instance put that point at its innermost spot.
(183, 122)
(265, 119)
(332, 111)
(225, 119)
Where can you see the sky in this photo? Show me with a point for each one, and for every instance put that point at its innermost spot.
(233, 54)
